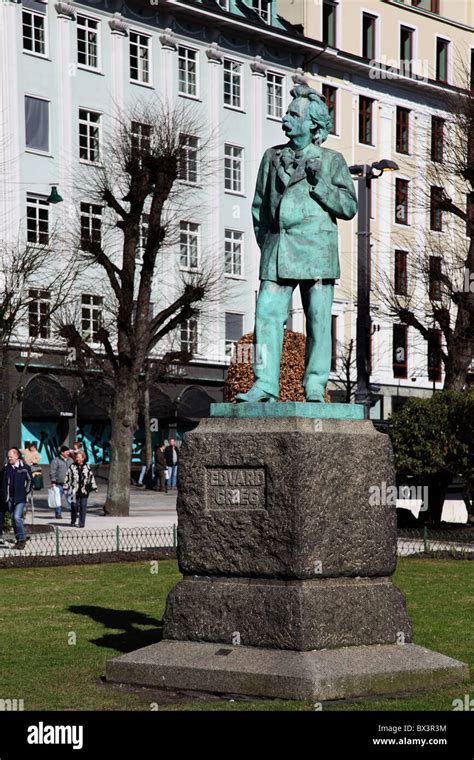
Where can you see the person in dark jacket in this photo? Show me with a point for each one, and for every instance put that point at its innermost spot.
(172, 457)
(161, 467)
(16, 483)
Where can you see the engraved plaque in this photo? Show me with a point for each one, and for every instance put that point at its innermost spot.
(235, 488)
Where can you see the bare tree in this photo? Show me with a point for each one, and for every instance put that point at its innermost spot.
(444, 265)
(346, 374)
(31, 292)
(150, 150)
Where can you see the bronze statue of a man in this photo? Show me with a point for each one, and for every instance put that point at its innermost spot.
(302, 189)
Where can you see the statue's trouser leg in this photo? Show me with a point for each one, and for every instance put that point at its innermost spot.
(317, 300)
(273, 305)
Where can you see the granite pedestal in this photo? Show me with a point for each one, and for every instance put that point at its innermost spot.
(287, 564)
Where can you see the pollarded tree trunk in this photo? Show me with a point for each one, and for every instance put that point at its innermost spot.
(124, 420)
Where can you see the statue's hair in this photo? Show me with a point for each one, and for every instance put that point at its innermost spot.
(317, 110)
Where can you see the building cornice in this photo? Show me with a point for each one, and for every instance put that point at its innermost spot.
(429, 14)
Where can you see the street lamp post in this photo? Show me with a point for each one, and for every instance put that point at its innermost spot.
(365, 174)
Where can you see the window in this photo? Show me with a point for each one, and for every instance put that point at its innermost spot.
(330, 93)
(401, 201)
(427, 5)
(263, 8)
(365, 120)
(275, 83)
(87, 42)
(233, 164)
(37, 220)
(187, 71)
(224, 4)
(143, 234)
(234, 328)
(139, 57)
(140, 140)
(329, 23)
(37, 124)
(368, 36)
(400, 351)
(188, 159)
(437, 138)
(189, 336)
(91, 223)
(436, 214)
(233, 244)
(91, 317)
(34, 32)
(89, 135)
(232, 84)
(435, 278)
(442, 59)
(38, 313)
(334, 343)
(401, 274)
(189, 245)
(402, 136)
(406, 50)
(434, 356)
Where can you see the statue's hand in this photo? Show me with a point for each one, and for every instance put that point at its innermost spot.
(313, 167)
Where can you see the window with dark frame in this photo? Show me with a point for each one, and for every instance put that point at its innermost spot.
(330, 93)
(437, 138)
(406, 50)
(368, 36)
(400, 351)
(442, 47)
(435, 278)
(401, 201)
(427, 5)
(401, 273)
(436, 214)
(434, 356)
(263, 9)
(39, 308)
(329, 23)
(365, 120)
(403, 130)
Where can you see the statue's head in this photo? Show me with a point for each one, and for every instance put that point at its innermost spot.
(307, 115)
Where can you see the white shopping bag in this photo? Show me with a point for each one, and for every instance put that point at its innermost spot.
(54, 497)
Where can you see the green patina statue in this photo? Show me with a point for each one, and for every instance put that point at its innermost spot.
(302, 189)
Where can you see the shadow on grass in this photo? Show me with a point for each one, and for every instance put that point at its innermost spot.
(132, 637)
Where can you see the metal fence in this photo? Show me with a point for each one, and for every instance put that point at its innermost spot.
(63, 542)
(430, 541)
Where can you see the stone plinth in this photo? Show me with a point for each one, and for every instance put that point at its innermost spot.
(287, 560)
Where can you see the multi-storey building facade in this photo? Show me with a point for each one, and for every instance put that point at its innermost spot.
(388, 70)
(66, 69)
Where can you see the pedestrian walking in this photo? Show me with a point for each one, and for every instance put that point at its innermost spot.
(16, 483)
(76, 448)
(58, 470)
(79, 483)
(172, 458)
(161, 468)
(31, 455)
(143, 468)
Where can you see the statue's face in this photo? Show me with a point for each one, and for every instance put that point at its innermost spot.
(295, 122)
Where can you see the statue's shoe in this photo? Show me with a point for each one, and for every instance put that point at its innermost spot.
(315, 398)
(255, 394)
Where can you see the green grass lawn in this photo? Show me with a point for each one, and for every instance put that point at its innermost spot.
(110, 609)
